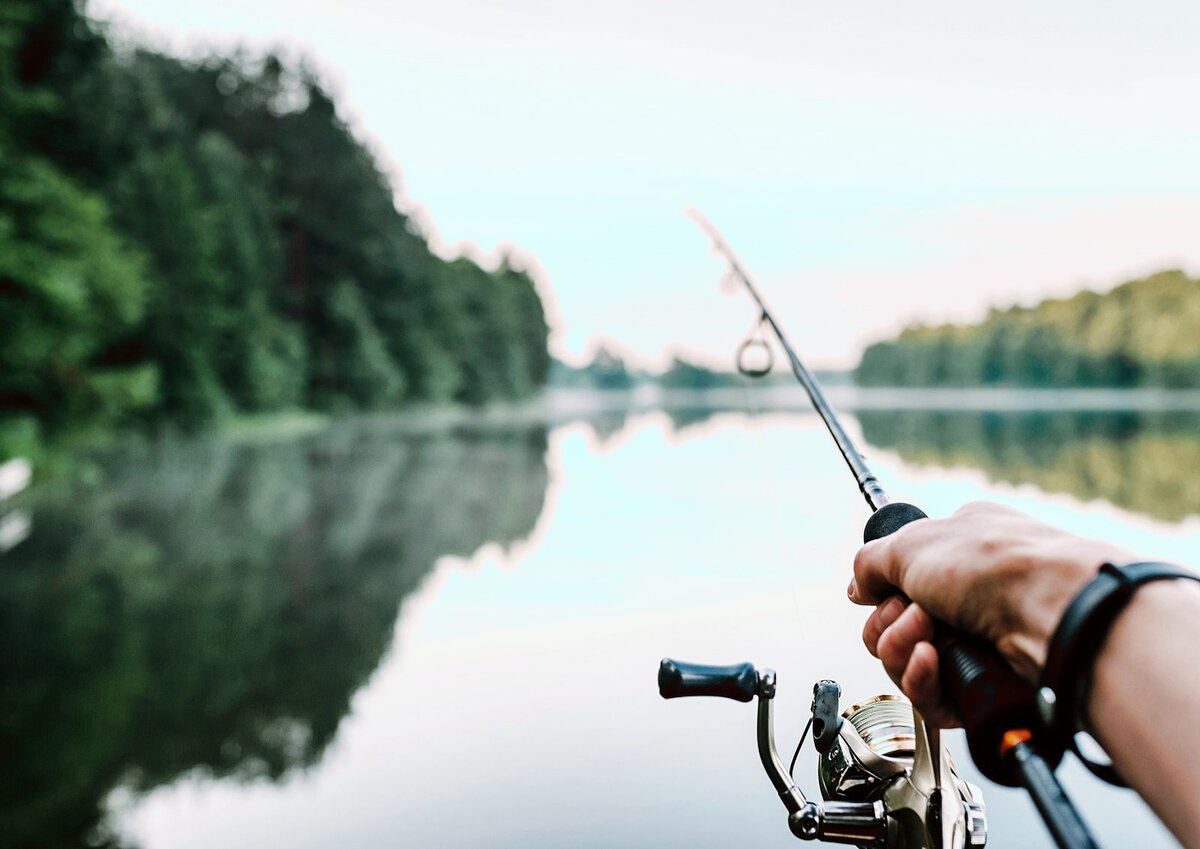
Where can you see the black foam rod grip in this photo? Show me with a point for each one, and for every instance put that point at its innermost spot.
(989, 697)
(890, 518)
(677, 679)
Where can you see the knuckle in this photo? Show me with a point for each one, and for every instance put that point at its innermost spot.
(870, 562)
(922, 622)
(921, 690)
(883, 648)
(953, 574)
(972, 508)
(869, 638)
(991, 543)
(890, 649)
(893, 608)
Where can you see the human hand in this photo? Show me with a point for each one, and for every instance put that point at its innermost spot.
(987, 570)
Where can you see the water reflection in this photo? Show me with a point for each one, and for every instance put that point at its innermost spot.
(1144, 462)
(684, 419)
(213, 606)
(210, 610)
(609, 425)
(1138, 460)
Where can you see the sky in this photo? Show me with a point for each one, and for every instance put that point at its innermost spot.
(874, 164)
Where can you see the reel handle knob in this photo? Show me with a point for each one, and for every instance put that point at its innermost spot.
(990, 698)
(677, 679)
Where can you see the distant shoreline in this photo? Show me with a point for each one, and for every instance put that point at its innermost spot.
(849, 398)
(558, 407)
(562, 406)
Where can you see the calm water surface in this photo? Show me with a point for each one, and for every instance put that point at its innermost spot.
(372, 638)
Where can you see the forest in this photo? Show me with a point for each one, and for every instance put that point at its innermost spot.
(183, 240)
(1141, 333)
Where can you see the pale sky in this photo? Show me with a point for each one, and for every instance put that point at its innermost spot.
(873, 163)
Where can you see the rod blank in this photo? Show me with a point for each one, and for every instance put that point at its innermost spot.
(868, 485)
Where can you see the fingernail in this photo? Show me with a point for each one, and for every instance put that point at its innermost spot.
(850, 590)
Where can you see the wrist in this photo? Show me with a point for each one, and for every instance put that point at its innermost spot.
(1129, 642)
(1055, 577)
(1081, 639)
(1143, 696)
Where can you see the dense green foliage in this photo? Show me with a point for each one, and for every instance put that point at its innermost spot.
(1142, 333)
(181, 239)
(606, 370)
(198, 605)
(1140, 461)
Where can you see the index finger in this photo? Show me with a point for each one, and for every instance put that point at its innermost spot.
(877, 572)
(881, 566)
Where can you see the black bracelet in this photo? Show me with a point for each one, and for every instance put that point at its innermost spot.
(1071, 654)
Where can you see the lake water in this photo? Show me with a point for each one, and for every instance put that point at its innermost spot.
(380, 636)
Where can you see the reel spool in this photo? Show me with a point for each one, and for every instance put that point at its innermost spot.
(885, 782)
(883, 753)
(884, 724)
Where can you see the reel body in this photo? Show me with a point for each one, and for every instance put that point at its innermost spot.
(886, 780)
(883, 752)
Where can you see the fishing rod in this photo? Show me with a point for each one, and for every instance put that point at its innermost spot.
(884, 773)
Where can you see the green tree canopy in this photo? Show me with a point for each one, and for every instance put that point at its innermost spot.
(182, 239)
(1142, 333)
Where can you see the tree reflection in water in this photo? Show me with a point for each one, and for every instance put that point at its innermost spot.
(1140, 461)
(201, 605)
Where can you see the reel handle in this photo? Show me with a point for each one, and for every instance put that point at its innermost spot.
(677, 680)
(990, 698)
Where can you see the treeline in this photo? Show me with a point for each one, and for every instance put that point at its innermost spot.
(183, 239)
(1142, 333)
(608, 370)
(685, 374)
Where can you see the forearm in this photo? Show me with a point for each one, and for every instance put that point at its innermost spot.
(1145, 700)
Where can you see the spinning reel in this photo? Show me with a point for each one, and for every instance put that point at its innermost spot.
(885, 777)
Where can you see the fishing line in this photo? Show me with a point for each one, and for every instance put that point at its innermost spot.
(799, 746)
